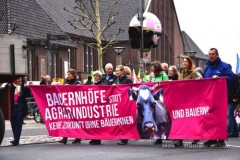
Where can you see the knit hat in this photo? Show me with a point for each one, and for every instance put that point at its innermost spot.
(98, 72)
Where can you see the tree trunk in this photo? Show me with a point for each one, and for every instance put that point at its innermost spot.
(98, 38)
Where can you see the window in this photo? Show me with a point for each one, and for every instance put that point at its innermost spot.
(90, 59)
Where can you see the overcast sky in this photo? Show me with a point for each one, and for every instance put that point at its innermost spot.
(212, 23)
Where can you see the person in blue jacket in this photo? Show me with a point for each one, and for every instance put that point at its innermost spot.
(215, 68)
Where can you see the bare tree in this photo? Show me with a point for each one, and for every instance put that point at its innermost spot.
(89, 15)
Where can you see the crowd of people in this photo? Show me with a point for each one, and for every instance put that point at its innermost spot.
(215, 68)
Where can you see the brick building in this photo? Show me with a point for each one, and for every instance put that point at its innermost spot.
(33, 20)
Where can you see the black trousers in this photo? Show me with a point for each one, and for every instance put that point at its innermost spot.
(16, 123)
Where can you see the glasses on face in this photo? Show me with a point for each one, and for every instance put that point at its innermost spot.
(96, 75)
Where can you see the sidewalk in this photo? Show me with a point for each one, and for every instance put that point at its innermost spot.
(30, 125)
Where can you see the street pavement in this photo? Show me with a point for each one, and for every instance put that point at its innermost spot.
(35, 140)
(35, 133)
(32, 133)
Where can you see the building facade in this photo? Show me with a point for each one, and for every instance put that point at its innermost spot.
(38, 21)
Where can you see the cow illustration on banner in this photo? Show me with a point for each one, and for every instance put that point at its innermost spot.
(153, 120)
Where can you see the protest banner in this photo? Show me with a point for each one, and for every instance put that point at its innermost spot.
(190, 109)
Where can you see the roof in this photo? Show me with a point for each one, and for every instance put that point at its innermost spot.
(35, 19)
(31, 20)
(190, 45)
(54, 8)
(3, 17)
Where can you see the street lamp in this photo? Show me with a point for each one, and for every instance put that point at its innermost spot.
(118, 50)
(179, 56)
(191, 54)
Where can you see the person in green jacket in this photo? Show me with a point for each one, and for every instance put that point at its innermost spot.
(159, 75)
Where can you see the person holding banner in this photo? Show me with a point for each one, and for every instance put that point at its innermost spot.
(215, 68)
(97, 80)
(48, 80)
(43, 81)
(109, 77)
(159, 75)
(127, 71)
(173, 73)
(71, 79)
(165, 67)
(97, 77)
(122, 79)
(188, 72)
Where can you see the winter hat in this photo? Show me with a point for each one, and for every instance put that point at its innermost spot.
(98, 72)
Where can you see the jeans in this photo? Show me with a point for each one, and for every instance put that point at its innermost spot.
(232, 127)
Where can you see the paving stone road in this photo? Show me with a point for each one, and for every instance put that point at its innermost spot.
(30, 124)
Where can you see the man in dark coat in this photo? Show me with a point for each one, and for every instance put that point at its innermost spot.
(109, 77)
(16, 97)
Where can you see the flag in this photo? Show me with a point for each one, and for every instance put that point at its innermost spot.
(134, 77)
(92, 73)
(238, 65)
(141, 76)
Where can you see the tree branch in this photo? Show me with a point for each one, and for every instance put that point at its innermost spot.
(110, 21)
(86, 13)
(110, 6)
(111, 42)
(92, 45)
(93, 7)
